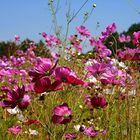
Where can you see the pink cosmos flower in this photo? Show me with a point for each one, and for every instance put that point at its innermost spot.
(101, 50)
(62, 114)
(109, 30)
(42, 69)
(16, 97)
(66, 75)
(136, 37)
(83, 31)
(89, 131)
(76, 42)
(54, 55)
(113, 76)
(97, 68)
(122, 38)
(51, 40)
(96, 101)
(70, 136)
(129, 54)
(99, 101)
(15, 129)
(44, 85)
(17, 38)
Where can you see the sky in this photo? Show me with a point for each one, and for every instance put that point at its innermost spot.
(28, 18)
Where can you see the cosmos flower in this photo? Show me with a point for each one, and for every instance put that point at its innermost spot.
(136, 37)
(41, 70)
(83, 31)
(17, 38)
(96, 101)
(15, 129)
(62, 114)
(44, 84)
(16, 97)
(66, 75)
(122, 38)
(70, 136)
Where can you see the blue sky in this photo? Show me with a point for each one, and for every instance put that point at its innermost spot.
(30, 17)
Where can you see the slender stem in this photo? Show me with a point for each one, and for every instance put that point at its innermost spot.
(78, 11)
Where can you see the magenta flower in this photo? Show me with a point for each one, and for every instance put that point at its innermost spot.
(62, 114)
(122, 38)
(76, 42)
(109, 30)
(70, 136)
(136, 37)
(96, 101)
(101, 50)
(66, 75)
(44, 85)
(43, 69)
(15, 129)
(51, 40)
(113, 76)
(89, 131)
(83, 31)
(97, 68)
(16, 97)
(17, 38)
(129, 54)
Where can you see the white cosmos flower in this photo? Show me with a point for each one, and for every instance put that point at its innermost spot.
(14, 111)
(33, 132)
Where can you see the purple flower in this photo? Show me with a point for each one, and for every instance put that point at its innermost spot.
(129, 54)
(66, 75)
(122, 38)
(89, 131)
(109, 30)
(83, 31)
(16, 97)
(97, 68)
(15, 129)
(76, 42)
(98, 101)
(17, 38)
(44, 84)
(136, 37)
(70, 136)
(43, 69)
(62, 114)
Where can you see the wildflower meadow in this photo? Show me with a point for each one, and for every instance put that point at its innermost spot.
(58, 92)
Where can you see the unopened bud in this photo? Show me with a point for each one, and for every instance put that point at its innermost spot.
(94, 5)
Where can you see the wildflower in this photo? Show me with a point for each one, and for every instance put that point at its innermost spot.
(108, 31)
(70, 136)
(16, 97)
(66, 75)
(15, 129)
(96, 101)
(44, 84)
(62, 114)
(136, 37)
(83, 31)
(33, 132)
(17, 38)
(122, 38)
(93, 132)
(14, 111)
(43, 69)
(75, 42)
(89, 131)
